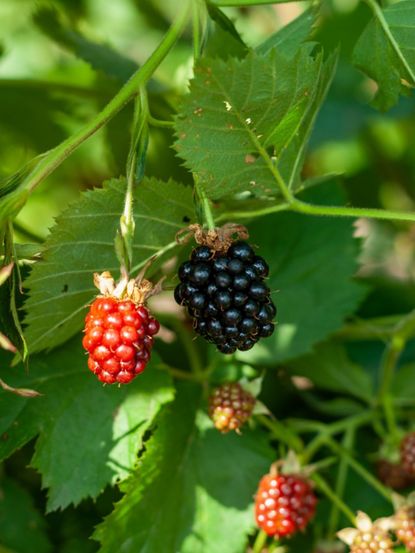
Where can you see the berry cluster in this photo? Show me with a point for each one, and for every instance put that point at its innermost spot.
(118, 333)
(284, 504)
(226, 296)
(372, 542)
(408, 453)
(405, 527)
(230, 406)
(368, 536)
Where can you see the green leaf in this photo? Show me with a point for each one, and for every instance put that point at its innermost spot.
(89, 435)
(189, 494)
(99, 56)
(386, 52)
(404, 384)
(234, 113)
(329, 368)
(22, 526)
(292, 158)
(224, 40)
(249, 2)
(82, 242)
(310, 280)
(291, 36)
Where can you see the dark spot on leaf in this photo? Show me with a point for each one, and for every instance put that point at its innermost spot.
(250, 158)
(186, 219)
(64, 289)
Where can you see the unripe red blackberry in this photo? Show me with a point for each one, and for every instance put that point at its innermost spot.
(223, 288)
(119, 330)
(405, 527)
(394, 475)
(368, 536)
(408, 453)
(230, 406)
(284, 504)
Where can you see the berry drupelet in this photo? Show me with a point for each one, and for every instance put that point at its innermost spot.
(408, 453)
(405, 527)
(230, 406)
(225, 294)
(119, 330)
(284, 504)
(368, 536)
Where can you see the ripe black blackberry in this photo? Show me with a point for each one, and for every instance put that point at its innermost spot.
(223, 288)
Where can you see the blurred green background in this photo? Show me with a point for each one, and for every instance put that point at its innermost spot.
(47, 92)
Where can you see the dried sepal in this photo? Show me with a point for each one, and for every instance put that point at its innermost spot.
(6, 344)
(218, 240)
(5, 272)
(22, 392)
(136, 289)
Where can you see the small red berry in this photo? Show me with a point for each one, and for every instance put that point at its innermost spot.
(142, 313)
(114, 320)
(111, 365)
(139, 366)
(125, 353)
(118, 334)
(394, 475)
(284, 504)
(408, 453)
(101, 353)
(153, 326)
(131, 318)
(126, 306)
(230, 406)
(110, 338)
(124, 377)
(129, 334)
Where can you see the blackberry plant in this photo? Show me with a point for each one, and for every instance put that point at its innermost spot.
(247, 160)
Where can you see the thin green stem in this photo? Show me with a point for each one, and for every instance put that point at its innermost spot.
(241, 3)
(379, 328)
(281, 432)
(328, 492)
(359, 469)
(55, 157)
(160, 123)
(196, 31)
(157, 254)
(355, 212)
(260, 542)
(360, 419)
(322, 210)
(238, 215)
(402, 332)
(204, 204)
(327, 430)
(374, 6)
(135, 171)
(179, 374)
(191, 351)
(348, 442)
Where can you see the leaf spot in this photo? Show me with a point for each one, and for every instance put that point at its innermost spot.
(249, 158)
